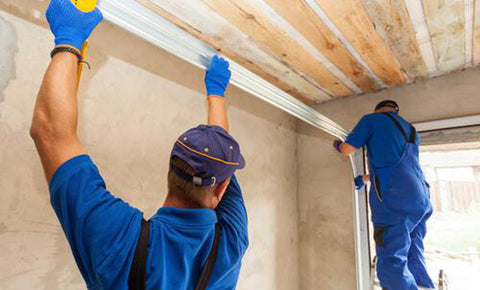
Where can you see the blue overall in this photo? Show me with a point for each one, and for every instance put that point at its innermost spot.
(400, 205)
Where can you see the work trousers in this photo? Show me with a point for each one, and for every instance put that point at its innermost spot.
(400, 260)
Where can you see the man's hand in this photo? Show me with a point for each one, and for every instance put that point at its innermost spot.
(360, 181)
(336, 145)
(54, 124)
(217, 77)
(70, 26)
(343, 147)
(216, 80)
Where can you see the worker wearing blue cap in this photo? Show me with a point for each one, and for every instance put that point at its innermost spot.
(399, 198)
(197, 238)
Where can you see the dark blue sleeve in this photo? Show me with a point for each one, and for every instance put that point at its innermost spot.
(101, 229)
(361, 133)
(232, 214)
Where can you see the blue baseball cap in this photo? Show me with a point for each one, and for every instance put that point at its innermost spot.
(213, 154)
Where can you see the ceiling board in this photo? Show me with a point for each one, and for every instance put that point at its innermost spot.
(446, 23)
(233, 43)
(393, 24)
(319, 50)
(246, 16)
(301, 16)
(354, 23)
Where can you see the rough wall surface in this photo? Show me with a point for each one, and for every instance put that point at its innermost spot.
(325, 202)
(133, 104)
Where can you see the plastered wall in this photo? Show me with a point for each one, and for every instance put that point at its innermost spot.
(325, 178)
(133, 104)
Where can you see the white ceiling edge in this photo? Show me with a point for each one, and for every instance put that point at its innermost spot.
(469, 31)
(144, 23)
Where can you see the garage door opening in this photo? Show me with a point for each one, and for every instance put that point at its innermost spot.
(452, 244)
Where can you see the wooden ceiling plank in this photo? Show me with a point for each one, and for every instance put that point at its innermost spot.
(245, 15)
(446, 23)
(205, 24)
(305, 21)
(393, 24)
(352, 20)
(476, 34)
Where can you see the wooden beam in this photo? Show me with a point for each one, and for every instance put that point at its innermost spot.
(352, 20)
(203, 23)
(393, 24)
(245, 15)
(446, 23)
(303, 19)
(476, 35)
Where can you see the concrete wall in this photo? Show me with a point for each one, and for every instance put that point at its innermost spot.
(325, 188)
(133, 104)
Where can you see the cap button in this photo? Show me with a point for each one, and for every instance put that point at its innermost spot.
(206, 149)
(231, 147)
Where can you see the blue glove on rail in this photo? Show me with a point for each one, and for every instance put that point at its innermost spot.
(359, 183)
(69, 25)
(217, 77)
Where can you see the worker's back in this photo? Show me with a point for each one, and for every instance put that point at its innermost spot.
(385, 142)
(103, 232)
(180, 241)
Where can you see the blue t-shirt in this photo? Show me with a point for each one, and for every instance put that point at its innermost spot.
(385, 142)
(103, 231)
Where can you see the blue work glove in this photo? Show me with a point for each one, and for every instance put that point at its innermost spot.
(69, 25)
(217, 77)
(359, 183)
(336, 145)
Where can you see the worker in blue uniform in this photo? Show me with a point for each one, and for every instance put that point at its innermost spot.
(203, 218)
(399, 195)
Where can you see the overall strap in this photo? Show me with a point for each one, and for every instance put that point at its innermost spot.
(210, 263)
(412, 135)
(138, 271)
(410, 139)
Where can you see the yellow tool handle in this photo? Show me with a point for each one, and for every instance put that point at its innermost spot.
(80, 64)
(85, 5)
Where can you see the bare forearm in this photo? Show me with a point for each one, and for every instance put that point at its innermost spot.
(56, 105)
(54, 121)
(217, 112)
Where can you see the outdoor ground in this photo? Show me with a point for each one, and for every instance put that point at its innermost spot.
(453, 244)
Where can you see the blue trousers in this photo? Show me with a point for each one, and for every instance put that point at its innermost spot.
(400, 260)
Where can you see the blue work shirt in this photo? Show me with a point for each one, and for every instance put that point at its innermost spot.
(103, 232)
(385, 142)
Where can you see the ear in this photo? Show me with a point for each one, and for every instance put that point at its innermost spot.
(219, 192)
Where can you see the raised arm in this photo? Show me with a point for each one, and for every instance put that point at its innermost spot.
(54, 124)
(357, 138)
(216, 81)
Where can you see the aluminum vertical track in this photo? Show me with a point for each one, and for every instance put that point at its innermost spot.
(144, 23)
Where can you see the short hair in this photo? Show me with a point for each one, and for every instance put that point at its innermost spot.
(187, 191)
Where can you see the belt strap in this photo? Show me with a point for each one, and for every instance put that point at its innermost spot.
(399, 126)
(138, 273)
